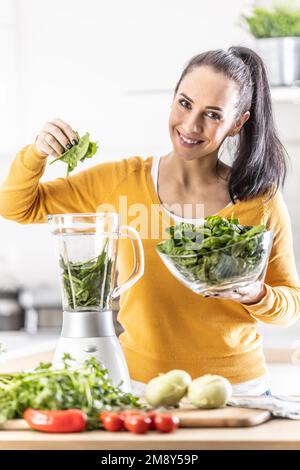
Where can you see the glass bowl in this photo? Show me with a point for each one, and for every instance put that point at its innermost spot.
(222, 270)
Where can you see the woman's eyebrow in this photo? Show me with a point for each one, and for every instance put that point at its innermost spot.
(183, 94)
(217, 108)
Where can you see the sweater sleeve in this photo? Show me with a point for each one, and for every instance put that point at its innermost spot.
(24, 199)
(281, 304)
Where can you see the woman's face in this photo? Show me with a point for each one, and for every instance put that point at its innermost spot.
(204, 112)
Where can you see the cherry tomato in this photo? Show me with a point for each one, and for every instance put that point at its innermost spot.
(165, 422)
(138, 424)
(112, 422)
(123, 414)
(103, 413)
(151, 414)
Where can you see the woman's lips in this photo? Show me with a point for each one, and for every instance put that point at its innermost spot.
(186, 144)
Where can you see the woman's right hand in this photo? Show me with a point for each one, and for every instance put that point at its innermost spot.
(55, 138)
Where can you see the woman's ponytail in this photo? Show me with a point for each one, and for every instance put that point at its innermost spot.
(259, 165)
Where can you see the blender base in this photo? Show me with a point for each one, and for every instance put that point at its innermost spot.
(92, 334)
(106, 350)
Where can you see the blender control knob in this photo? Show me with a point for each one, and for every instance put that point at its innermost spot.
(90, 349)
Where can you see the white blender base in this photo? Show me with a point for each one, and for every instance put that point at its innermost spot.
(106, 349)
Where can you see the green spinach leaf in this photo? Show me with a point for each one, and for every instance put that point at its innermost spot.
(79, 152)
(219, 251)
(87, 284)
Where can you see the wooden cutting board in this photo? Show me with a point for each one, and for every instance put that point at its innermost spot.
(14, 425)
(191, 417)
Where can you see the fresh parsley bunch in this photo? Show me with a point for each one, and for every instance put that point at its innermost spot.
(86, 387)
(217, 252)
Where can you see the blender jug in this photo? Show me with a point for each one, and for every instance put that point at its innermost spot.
(87, 248)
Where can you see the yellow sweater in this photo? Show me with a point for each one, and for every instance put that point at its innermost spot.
(165, 324)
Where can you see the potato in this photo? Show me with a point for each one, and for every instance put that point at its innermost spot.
(181, 377)
(209, 391)
(167, 389)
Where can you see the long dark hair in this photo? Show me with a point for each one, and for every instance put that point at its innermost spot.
(259, 160)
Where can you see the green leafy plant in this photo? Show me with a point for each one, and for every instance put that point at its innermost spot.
(281, 21)
(87, 387)
(217, 252)
(78, 153)
(87, 284)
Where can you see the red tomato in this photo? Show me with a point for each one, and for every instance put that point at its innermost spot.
(134, 412)
(151, 415)
(165, 422)
(103, 413)
(56, 420)
(112, 422)
(138, 424)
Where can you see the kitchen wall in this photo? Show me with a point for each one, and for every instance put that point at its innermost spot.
(94, 63)
(8, 76)
(107, 67)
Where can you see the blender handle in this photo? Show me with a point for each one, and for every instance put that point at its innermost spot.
(139, 260)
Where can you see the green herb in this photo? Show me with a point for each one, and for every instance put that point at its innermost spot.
(281, 21)
(218, 251)
(87, 284)
(79, 152)
(86, 387)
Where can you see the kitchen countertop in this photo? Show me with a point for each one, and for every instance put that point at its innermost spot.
(274, 434)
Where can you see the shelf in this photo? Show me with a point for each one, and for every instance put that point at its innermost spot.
(289, 95)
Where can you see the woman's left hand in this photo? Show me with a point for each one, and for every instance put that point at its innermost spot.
(250, 294)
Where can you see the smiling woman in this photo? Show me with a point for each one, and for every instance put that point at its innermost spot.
(210, 117)
(220, 94)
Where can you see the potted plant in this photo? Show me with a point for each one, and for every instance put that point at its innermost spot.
(277, 33)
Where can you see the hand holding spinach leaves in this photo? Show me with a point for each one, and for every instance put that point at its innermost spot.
(86, 387)
(79, 152)
(217, 252)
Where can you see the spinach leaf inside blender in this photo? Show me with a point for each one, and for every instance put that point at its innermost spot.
(87, 284)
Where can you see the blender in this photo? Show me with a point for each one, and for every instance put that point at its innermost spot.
(87, 248)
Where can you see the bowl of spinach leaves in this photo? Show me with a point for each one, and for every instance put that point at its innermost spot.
(220, 255)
